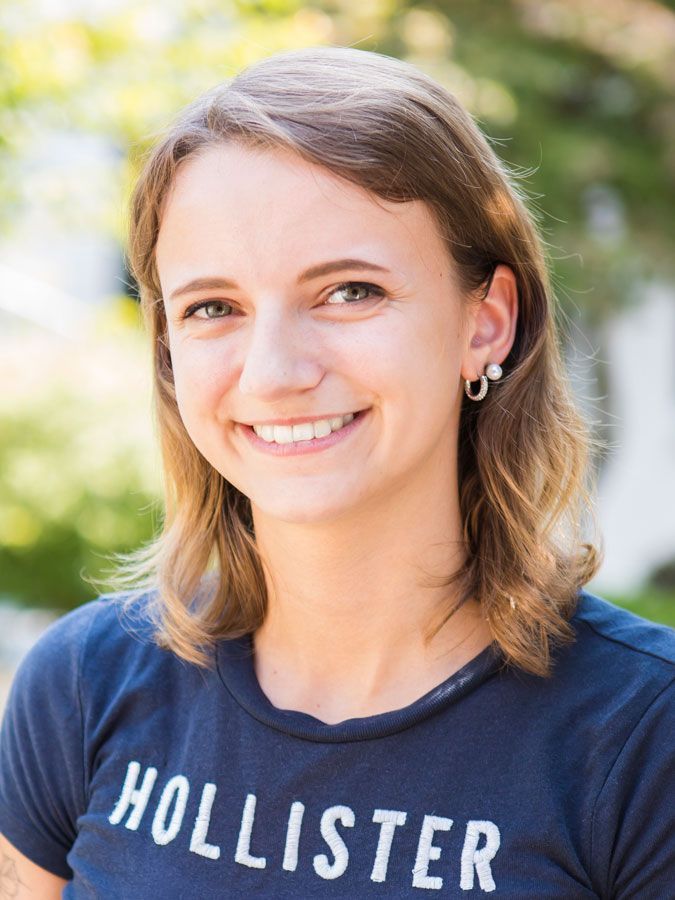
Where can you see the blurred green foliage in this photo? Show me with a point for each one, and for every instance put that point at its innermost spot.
(78, 472)
(657, 604)
(579, 98)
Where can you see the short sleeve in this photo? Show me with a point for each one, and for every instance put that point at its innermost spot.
(634, 820)
(42, 783)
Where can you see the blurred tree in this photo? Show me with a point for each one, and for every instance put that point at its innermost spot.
(78, 471)
(578, 97)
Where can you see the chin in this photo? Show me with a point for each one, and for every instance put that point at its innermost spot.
(299, 510)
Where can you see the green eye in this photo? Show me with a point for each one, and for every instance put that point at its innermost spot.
(209, 309)
(354, 292)
(216, 309)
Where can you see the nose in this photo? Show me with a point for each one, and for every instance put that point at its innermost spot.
(280, 358)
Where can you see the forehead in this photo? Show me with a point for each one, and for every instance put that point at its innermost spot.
(236, 203)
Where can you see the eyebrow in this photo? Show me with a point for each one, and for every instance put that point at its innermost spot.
(337, 265)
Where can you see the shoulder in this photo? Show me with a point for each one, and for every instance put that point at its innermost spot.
(625, 666)
(43, 768)
(620, 648)
(620, 668)
(110, 616)
(69, 632)
(621, 632)
(93, 636)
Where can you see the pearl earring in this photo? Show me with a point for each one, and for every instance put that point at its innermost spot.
(493, 371)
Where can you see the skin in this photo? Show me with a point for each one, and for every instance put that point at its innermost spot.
(346, 534)
(20, 878)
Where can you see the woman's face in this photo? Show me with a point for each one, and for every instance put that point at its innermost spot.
(294, 298)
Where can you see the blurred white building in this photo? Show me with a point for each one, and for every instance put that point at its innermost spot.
(637, 485)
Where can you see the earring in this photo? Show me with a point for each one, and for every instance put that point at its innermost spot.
(493, 372)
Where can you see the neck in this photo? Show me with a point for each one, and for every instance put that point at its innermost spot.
(350, 603)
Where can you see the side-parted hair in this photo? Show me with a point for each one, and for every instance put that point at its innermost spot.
(523, 451)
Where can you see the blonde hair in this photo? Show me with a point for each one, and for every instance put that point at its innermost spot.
(523, 451)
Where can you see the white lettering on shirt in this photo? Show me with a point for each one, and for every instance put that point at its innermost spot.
(293, 836)
(178, 789)
(243, 854)
(166, 825)
(388, 819)
(198, 842)
(132, 796)
(338, 847)
(426, 851)
(472, 858)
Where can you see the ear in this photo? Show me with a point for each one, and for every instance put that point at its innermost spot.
(491, 326)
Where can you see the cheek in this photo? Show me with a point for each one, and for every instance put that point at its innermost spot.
(429, 360)
(434, 397)
(202, 378)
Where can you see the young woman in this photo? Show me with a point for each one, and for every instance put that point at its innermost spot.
(362, 662)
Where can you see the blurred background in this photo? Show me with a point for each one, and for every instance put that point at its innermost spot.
(579, 97)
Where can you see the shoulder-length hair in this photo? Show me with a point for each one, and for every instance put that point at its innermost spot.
(523, 451)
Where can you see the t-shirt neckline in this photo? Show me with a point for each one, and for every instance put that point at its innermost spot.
(234, 660)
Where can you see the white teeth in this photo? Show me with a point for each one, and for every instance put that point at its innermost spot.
(322, 428)
(305, 431)
(283, 434)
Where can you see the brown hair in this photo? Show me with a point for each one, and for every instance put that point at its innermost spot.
(383, 125)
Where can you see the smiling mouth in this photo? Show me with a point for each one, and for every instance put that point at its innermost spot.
(302, 431)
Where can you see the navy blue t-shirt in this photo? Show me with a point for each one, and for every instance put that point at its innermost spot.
(137, 775)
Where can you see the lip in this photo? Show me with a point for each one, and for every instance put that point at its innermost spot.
(299, 448)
